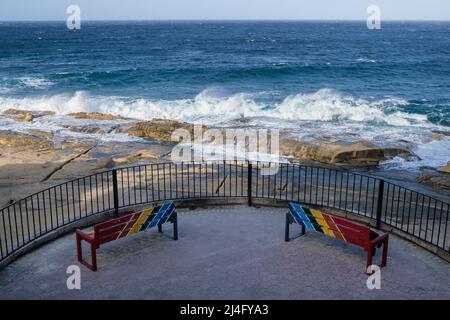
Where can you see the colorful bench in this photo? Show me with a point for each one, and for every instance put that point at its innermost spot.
(125, 226)
(335, 227)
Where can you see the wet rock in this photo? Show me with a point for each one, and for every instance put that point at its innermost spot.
(445, 169)
(438, 136)
(86, 129)
(42, 134)
(105, 163)
(140, 155)
(437, 181)
(24, 115)
(339, 152)
(160, 130)
(15, 139)
(441, 133)
(94, 116)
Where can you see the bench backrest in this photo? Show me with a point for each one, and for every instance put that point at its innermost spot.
(332, 226)
(132, 223)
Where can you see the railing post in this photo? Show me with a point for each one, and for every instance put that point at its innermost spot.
(380, 202)
(249, 184)
(115, 193)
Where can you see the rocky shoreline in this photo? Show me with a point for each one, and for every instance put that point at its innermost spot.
(33, 159)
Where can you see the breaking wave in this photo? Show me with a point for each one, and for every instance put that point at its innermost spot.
(209, 107)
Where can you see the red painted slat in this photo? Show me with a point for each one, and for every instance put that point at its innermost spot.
(111, 230)
(113, 222)
(349, 224)
(108, 238)
(332, 226)
(357, 242)
(353, 233)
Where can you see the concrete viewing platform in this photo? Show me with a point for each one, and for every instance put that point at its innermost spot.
(226, 252)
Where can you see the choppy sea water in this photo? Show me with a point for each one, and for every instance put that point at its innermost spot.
(314, 79)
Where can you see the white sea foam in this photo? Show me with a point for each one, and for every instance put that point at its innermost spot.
(60, 125)
(434, 153)
(4, 90)
(39, 83)
(366, 60)
(324, 105)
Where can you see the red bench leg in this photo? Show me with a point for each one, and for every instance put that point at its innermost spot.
(369, 257)
(93, 265)
(175, 225)
(94, 257)
(79, 248)
(385, 250)
(384, 240)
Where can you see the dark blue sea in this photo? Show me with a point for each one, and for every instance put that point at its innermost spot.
(332, 79)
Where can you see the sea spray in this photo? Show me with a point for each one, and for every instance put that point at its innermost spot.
(324, 105)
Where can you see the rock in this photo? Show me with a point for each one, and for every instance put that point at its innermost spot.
(445, 169)
(441, 132)
(104, 163)
(86, 129)
(326, 150)
(143, 154)
(160, 130)
(94, 116)
(353, 153)
(28, 117)
(436, 181)
(438, 136)
(42, 134)
(15, 139)
(24, 115)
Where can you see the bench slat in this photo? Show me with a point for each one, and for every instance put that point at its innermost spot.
(336, 232)
(314, 222)
(133, 223)
(300, 216)
(323, 223)
(110, 230)
(331, 226)
(317, 219)
(112, 222)
(126, 225)
(337, 227)
(129, 225)
(350, 224)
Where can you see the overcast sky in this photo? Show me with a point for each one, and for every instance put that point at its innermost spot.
(224, 9)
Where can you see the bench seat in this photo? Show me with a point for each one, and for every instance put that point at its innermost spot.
(336, 227)
(124, 226)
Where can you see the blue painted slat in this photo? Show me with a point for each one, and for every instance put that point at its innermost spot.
(300, 215)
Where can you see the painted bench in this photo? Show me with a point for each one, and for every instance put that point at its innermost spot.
(339, 228)
(124, 226)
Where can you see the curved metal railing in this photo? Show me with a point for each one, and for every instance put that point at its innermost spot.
(416, 214)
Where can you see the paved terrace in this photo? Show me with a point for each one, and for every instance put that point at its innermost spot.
(232, 252)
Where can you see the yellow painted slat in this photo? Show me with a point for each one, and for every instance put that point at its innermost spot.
(323, 223)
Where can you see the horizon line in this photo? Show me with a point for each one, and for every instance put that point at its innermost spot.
(228, 20)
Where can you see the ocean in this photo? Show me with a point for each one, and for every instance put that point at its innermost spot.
(312, 79)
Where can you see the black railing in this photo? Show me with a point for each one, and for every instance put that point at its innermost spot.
(418, 215)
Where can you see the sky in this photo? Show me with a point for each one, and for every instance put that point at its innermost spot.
(12, 10)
